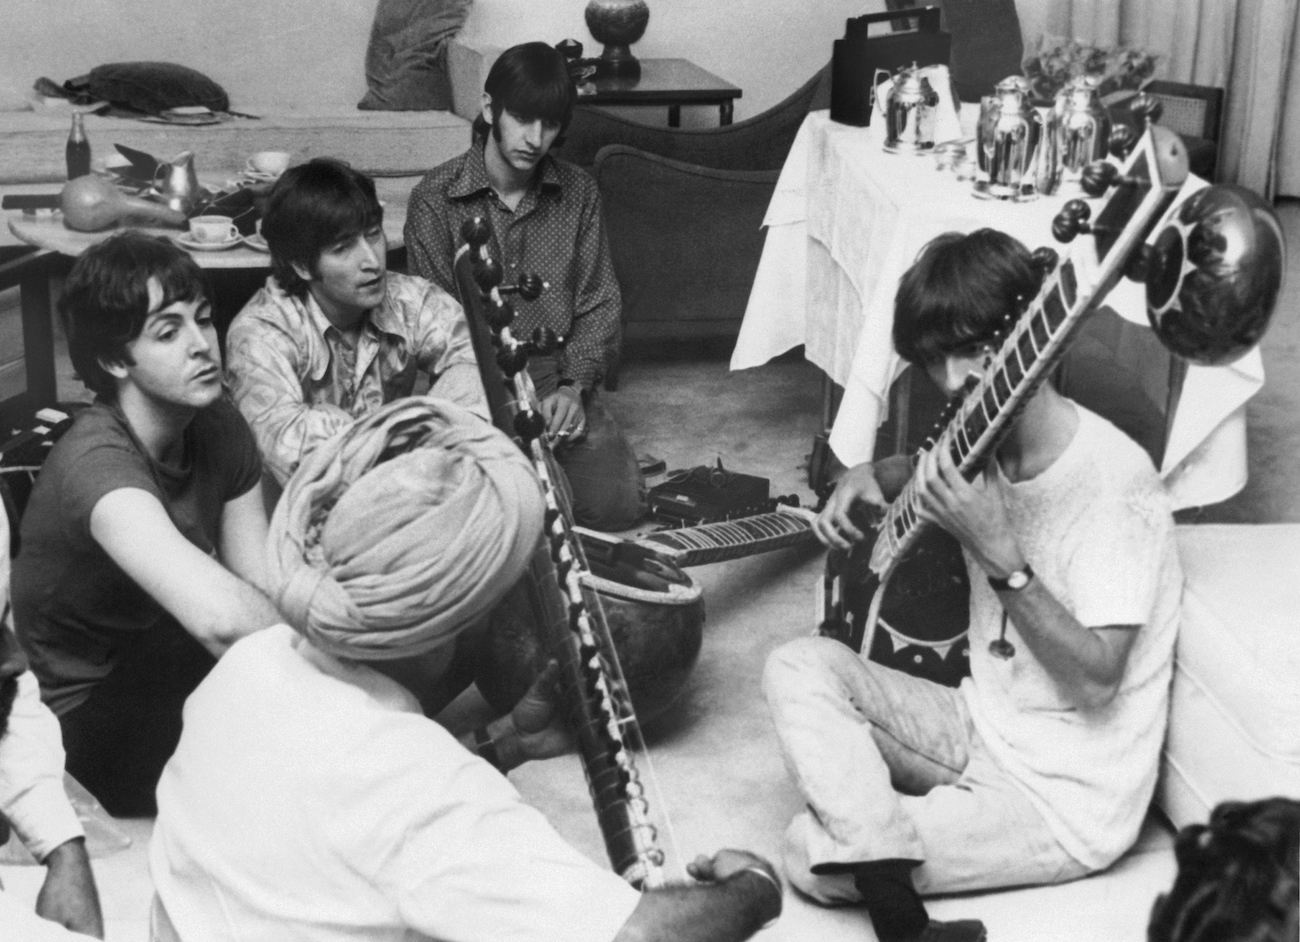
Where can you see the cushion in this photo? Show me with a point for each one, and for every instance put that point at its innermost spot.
(1234, 722)
(151, 87)
(406, 59)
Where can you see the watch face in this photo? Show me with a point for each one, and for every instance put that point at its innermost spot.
(1018, 579)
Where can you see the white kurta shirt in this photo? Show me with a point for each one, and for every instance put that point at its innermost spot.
(310, 799)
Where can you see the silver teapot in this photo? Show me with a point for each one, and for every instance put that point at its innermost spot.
(1008, 139)
(1082, 130)
(910, 110)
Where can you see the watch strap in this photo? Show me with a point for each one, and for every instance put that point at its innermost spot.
(1014, 581)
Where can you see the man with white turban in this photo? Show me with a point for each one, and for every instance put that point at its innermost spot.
(311, 798)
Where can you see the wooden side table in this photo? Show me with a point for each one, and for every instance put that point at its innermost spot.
(671, 82)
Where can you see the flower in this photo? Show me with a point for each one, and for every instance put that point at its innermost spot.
(1059, 60)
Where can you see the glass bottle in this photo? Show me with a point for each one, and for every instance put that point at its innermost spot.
(78, 149)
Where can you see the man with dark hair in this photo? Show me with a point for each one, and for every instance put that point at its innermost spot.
(546, 220)
(334, 335)
(1238, 877)
(142, 541)
(32, 798)
(1040, 767)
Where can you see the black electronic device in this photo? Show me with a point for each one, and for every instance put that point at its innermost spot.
(708, 494)
(857, 57)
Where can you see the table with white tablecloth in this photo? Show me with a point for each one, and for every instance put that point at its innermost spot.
(846, 222)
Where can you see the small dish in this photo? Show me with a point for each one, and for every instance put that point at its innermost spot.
(256, 176)
(195, 246)
(256, 242)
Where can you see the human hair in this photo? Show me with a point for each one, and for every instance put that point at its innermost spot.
(1238, 877)
(106, 299)
(312, 206)
(960, 291)
(530, 80)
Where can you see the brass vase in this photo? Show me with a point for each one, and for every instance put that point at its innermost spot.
(618, 24)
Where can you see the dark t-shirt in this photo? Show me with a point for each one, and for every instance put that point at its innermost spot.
(74, 608)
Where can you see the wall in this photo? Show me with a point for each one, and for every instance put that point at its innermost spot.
(294, 54)
(766, 47)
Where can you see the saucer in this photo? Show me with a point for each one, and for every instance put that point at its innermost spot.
(195, 246)
(256, 176)
(255, 241)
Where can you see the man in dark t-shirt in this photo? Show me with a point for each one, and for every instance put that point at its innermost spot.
(142, 543)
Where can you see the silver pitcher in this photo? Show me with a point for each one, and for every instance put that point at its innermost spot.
(178, 182)
(1008, 138)
(910, 108)
(1082, 130)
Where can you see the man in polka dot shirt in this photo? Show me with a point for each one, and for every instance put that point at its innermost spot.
(546, 220)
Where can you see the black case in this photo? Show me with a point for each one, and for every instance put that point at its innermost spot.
(856, 57)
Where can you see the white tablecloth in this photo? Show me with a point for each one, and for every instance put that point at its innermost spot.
(847, 220)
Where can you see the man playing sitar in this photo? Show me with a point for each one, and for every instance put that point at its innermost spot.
(1039, 768)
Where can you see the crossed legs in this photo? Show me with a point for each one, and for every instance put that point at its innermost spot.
(891, 768)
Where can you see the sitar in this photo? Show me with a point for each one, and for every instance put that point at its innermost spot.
(569, 618)
(1132, 200)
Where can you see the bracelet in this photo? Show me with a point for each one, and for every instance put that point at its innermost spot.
(776, 885)
(485, 747)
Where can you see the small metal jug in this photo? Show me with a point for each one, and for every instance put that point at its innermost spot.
(178, 182)
(1082, 130)
(1009, 134)
(910, 108)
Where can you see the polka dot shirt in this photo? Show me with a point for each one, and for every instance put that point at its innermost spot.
(556, 232)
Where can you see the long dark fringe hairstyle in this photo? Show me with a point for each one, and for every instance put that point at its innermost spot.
(1238, 877)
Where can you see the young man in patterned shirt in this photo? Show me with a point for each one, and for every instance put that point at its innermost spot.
(334, 335)
(546, 220)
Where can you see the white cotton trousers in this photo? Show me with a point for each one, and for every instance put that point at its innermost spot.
(890, 767)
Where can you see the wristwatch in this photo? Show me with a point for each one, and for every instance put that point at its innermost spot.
(1015, 581)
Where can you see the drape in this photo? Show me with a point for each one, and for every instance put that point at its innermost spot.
(1244, 46)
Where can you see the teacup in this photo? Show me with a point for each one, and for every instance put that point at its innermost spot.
(213, 229)
(269, 162)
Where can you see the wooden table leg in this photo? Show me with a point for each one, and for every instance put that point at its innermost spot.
(38, 332)
(674, 116)
(30, 272)
(724, 112)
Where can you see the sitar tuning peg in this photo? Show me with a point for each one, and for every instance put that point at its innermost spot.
(1045, 260)
(476, 232)
(544, 341)
(529, 287)
(512, 359)
(499, 314)
(1098, 177)
(1147, 108)
(487, 273)
(1122, 140)
(529, 425)
(1071, 220)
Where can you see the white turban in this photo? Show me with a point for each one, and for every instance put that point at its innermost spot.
(401, 530)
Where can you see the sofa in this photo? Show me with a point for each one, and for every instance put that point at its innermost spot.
(1234, 718)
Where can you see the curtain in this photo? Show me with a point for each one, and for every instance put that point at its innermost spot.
(1243, 46)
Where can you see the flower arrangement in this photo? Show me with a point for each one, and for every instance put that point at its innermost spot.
(1059, 60)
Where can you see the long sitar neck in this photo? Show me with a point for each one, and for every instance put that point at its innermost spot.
(989, 409)
(1147, 183)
